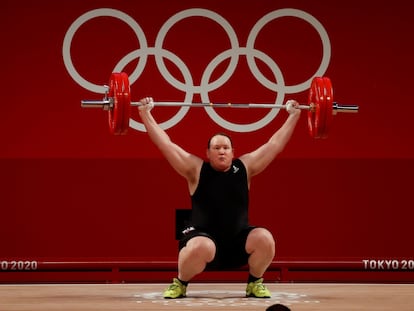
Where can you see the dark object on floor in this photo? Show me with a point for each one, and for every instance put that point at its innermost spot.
(278, 307)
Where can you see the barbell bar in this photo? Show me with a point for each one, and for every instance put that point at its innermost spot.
(320, 107)
(107, 104)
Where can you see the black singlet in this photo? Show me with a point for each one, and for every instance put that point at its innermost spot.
(220, 202)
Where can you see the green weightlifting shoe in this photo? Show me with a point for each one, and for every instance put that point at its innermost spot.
(175, 290)
(257, 289)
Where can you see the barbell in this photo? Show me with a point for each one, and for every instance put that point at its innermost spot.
(320, 107)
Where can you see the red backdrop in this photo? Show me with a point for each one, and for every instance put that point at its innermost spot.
(71, 190)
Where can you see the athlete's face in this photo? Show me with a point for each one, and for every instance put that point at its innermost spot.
(220, 153)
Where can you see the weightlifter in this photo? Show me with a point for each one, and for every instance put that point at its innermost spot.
(220, 235)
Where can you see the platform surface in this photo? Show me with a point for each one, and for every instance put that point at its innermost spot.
(206, 296)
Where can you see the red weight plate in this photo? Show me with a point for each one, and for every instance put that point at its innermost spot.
(114, 114)
(314, 111)
(124, 97)
(311, 111)
(119, 115)
(328, 93)
(320, 119)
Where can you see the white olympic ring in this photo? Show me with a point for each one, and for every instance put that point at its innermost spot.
(206, 85)
(83, 19)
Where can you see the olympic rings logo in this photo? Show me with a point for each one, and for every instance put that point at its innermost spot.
(206, 86)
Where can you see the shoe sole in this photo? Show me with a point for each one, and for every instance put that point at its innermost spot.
(174, 297)
(254, 296)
